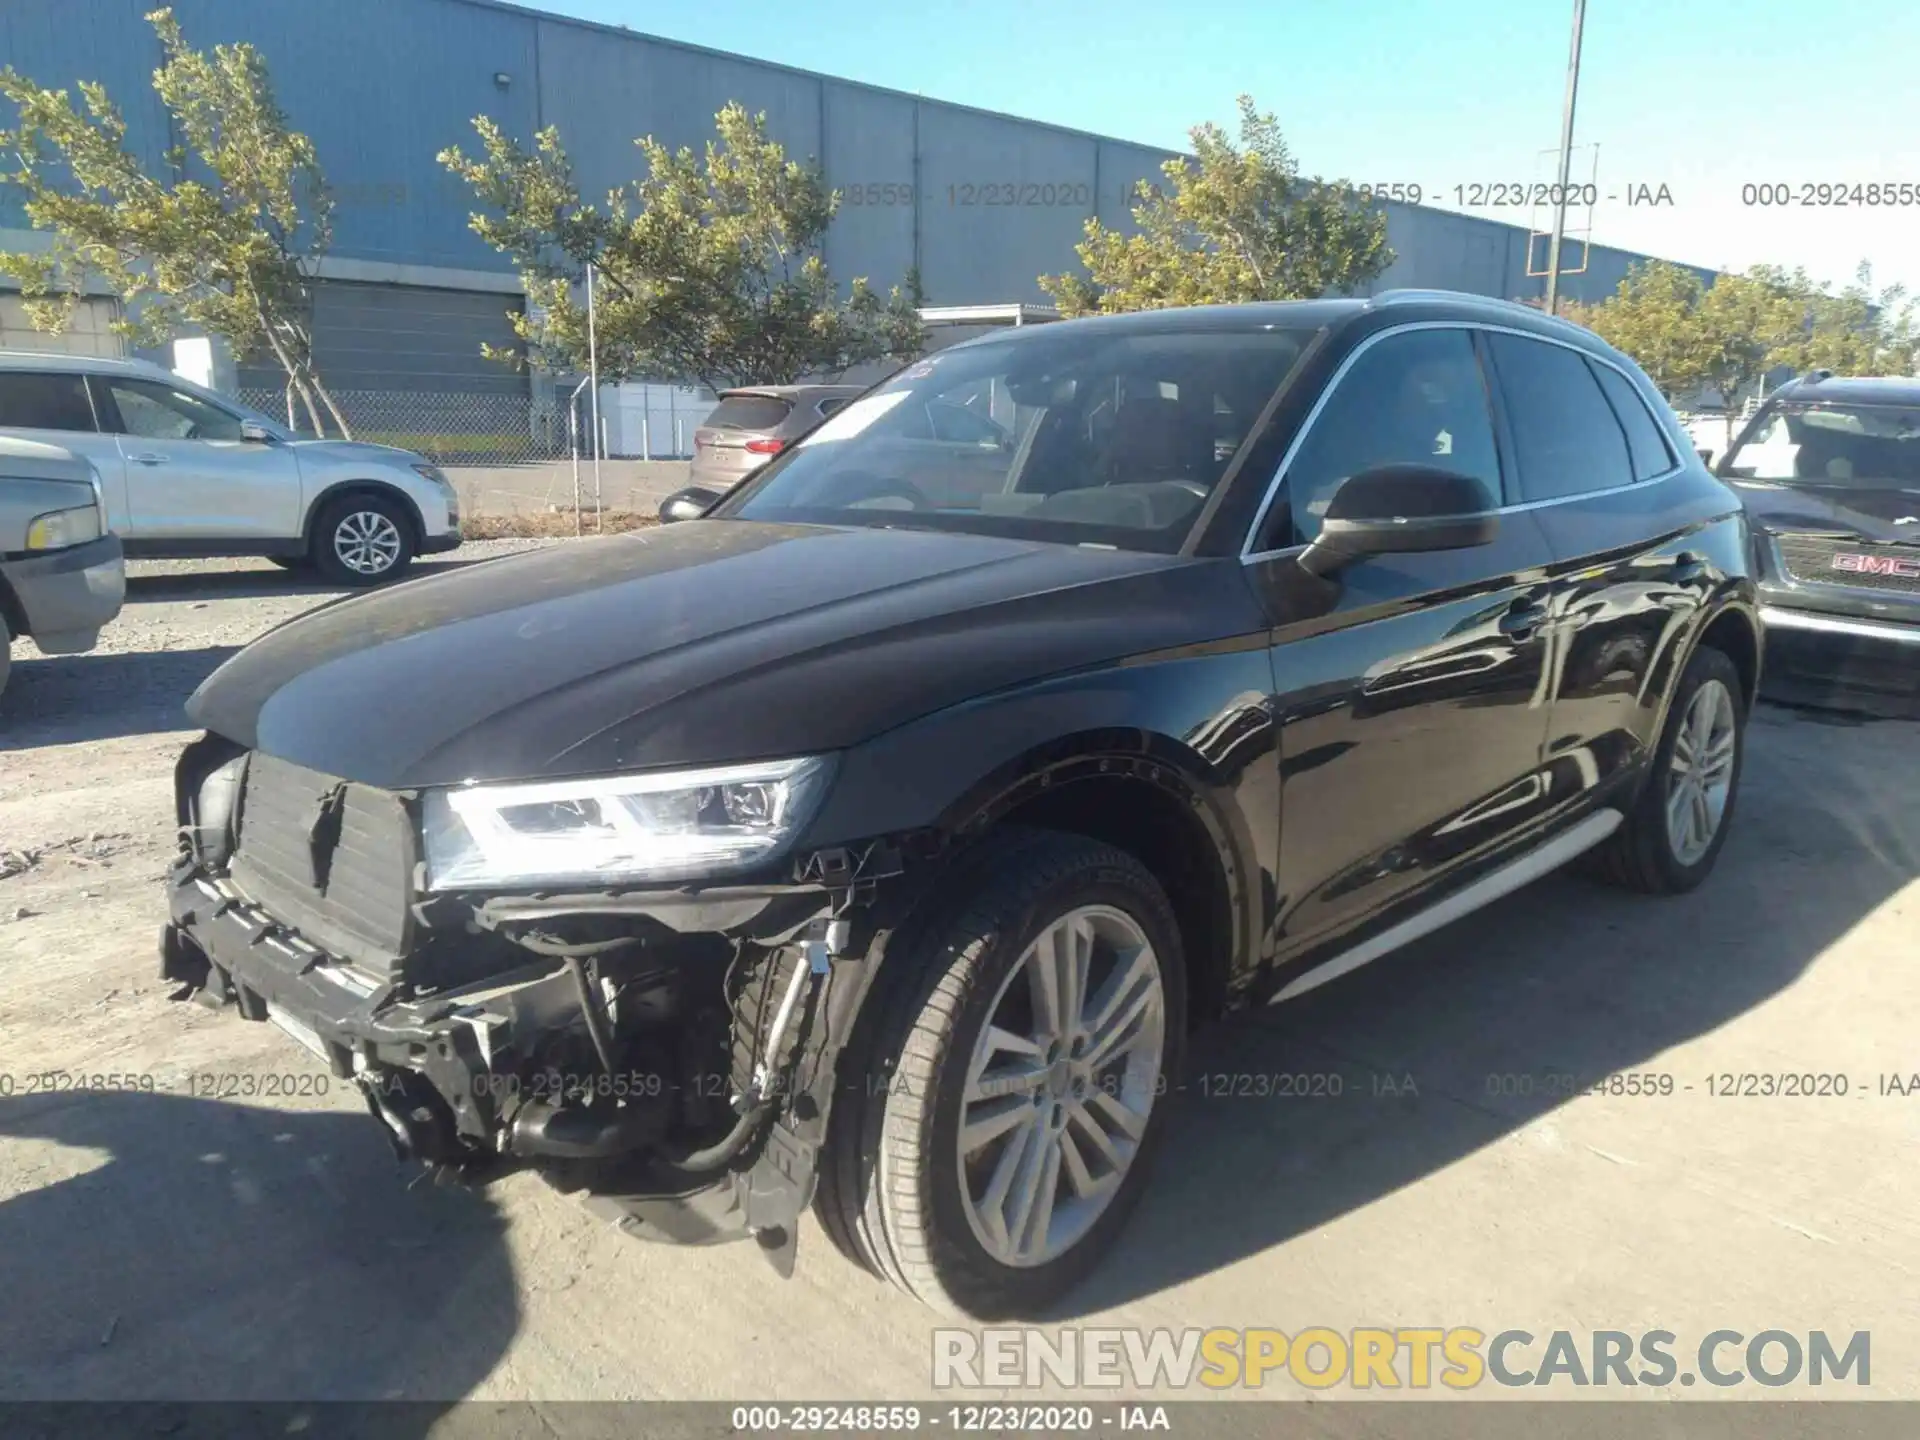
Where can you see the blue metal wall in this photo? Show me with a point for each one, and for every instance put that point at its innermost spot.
(382, 85)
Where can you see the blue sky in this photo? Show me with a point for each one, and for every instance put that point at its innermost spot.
(1702, 96)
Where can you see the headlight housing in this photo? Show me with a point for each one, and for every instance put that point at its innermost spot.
(59, 529)
(671, 825)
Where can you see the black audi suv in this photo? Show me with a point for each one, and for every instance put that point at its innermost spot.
(1830, 473)
(851, 847)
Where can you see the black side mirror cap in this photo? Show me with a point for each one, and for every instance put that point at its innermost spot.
(689, 503)
(1400, 510)
(1706, 455)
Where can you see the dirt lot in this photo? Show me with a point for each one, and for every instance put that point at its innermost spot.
(210, 1239)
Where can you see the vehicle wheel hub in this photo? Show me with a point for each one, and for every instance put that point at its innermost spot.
(1060, 1084)
(1700, 772)
(366, 542)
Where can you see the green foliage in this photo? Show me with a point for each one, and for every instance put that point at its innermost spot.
(224, 245)
(1238, 225)
(709, 270)
(1727, 336)
(1859, 331)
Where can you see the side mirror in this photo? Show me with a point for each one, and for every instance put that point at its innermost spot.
(1400, 510)
(1706, 455)
(252, 432)
(688, 504)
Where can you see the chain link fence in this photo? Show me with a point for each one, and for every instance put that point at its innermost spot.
(450, 428)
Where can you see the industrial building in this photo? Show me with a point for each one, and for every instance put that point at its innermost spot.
(409, 293)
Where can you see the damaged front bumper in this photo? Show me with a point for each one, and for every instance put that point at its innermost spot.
(466, 1079)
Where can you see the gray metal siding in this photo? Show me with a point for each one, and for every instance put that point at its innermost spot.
(383, 85)
(405, 338)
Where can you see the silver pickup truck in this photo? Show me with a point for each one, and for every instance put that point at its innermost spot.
(62, 575)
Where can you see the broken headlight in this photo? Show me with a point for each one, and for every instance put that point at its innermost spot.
(672, 825)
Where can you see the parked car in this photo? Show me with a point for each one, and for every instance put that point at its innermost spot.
(188, 472)
(751, 425)
(61, 572)
(948, 451)
(825, 850)
(1829, 469)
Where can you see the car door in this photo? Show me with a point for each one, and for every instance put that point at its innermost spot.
(1410, 693)
(1606, 484)
(189, 474)
(53, 407)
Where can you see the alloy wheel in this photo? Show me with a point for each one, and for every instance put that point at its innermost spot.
(367, 542)
(1060, 1084)
(1700, 775)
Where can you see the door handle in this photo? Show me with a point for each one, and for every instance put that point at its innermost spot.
(148, 459)
(1519, 623)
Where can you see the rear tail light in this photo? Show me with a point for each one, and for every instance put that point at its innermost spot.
(766, 446)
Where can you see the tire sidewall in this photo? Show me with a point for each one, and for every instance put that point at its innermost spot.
(327, 560)
(1706, 664)
(958, 1252)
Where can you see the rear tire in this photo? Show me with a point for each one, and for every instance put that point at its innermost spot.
(6, 653)
(928, 1169)
(1670, 839)
(363, 539)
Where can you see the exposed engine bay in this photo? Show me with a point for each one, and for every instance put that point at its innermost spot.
(669, 1054)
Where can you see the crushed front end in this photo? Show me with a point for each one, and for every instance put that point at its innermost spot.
(666, 1050)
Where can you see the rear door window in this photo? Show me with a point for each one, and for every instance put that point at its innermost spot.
(44, 402)
(1566, 437)
(748, 412)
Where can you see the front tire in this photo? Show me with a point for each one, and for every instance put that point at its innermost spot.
(363, 540)
(1672, 836)
(1019, 1078)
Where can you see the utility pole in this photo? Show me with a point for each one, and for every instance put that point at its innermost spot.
(1566, 161)
(593, 374)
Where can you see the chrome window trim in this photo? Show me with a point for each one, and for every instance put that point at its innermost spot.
(1248, 555)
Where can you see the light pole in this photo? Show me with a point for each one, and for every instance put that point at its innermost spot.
(1566, 161)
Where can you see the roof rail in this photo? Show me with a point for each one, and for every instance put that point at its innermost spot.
(1413, 296)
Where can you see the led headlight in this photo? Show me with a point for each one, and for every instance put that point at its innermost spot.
(663, 826)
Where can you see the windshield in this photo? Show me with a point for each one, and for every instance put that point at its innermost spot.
(1866, 445)
(1085, 436)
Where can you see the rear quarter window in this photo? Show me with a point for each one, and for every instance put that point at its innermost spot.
(748, 412)
(1646, 444)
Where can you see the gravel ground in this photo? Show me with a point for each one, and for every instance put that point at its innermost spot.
(219, 1221)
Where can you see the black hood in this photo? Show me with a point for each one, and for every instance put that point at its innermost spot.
(1881, 513)
(697, 643)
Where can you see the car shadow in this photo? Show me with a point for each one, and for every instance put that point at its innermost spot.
(70, 699)
(172, 586)
(1566, 978)
(189, 1249)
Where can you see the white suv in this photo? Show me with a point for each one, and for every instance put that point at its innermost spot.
(188, 472)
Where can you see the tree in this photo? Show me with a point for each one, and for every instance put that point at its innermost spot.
(1859, 331)
(226, 244)
(1654, 317)
(1238, 225)
(710, 271)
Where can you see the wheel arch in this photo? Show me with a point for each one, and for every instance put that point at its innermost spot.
(1150, 795)
(382, 489)
(1734, 630)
